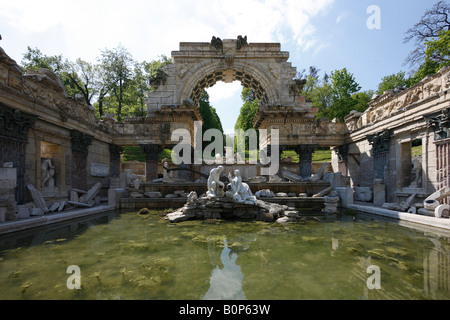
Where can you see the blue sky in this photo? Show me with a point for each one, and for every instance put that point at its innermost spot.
(327, 34)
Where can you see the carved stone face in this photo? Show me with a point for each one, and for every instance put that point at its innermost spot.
(237, 173)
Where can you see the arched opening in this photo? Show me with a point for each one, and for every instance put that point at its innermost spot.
(226, 99)
(230, 76)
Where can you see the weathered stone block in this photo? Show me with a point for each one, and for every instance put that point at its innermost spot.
(8, 178)
(99, 170)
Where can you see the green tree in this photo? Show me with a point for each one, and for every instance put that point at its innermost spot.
(362, 100)
(438, 50)
(429, 67)
(117, 66)
(428, 28)
(393, 81)
(116, 84)
(209, 114)
(210, 118)
(83, 75)
(336, 99)
(248, 110)
(437, 56)
(246, 116)
(34, 59)
(317, 91)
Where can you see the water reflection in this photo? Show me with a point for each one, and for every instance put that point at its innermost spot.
(145, 258)
(436, 266)
(226, 282)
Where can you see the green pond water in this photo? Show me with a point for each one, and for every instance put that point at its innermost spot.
(129, 256)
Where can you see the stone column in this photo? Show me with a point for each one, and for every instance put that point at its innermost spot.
(14, 127)
(342, 153)
(80, 151)
(151, 156)
(114, 159)
(305, 152)
(380, 150)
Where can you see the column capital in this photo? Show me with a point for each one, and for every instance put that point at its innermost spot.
(380, 141)
(80, 142)
(115, 151)
(151, 151)
(15, 123)
(305, 151)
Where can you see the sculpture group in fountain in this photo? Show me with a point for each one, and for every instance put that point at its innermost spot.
(239, 191)
(215, 186)
(237, 202)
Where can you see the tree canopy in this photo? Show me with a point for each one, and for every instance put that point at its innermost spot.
(431, 36)
(335, 96)
(116, 83)
(434, 20)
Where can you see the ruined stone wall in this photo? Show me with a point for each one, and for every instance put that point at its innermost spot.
(39, 121)
(380, 140)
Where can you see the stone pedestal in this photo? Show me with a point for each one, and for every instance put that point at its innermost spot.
(346, 195)
(8, 184)
(379, 193)
(151, 156)
(363, 194)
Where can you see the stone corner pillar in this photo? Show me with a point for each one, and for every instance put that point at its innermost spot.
(80, 151)
(151, 156)
(114, 158)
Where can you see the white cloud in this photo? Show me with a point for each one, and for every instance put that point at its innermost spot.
(341, 17)
(150, 28)
(221, 91)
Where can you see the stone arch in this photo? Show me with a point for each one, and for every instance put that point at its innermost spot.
(199, 65)
(207, 74)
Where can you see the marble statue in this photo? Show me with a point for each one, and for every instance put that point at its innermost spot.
(417, 168)
(237, 202)
(48, 171)
(239, 191)
(215, 186)
(167, 175)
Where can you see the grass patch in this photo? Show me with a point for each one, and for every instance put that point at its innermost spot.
(318, 156)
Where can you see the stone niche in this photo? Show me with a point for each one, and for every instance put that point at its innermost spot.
(52, 169)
